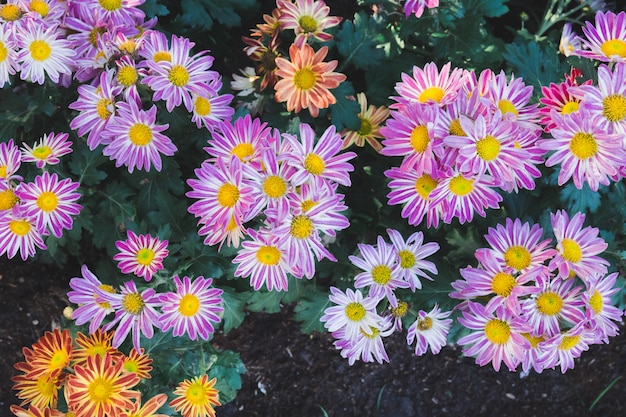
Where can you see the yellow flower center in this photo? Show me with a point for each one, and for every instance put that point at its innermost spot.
(314, 164)
(301, 227)
(228, 195)
(3, 171)
(162, 56)
(60, 358)
(243, 151)
(424, 185)
(534, 340)
(40, 7)
(47, 201)
(46, 387)
(381, 274)
(99, 349)
(308, 24)
(497, 331)
(502, 284)
(614, 47)
(128, 46)
(419, 139)
(401, 310)
(102, 108)
(307, 205)
(568, 342)
(110, 5)
(196, 394)
(19, 227)
(145, 256)
(549, 303)
(274, 186)
(583, 145)
(140, 134)
(355, 311)
(570, 107)
(614, 108)
(268, 255)
(461, 186)
(506, 106)
(424, 324)
(100, 390)
(40, 50)
(189, 305)
(8, 199)
(131, 366)
(127, 75)
(431, 94)
(304, 79)
(517, 257)
(111, 290)
(456, 129)
(178, 75)
(365, 128)
(133, 303)
(42, 152)
(595, 302)
(571, 250)
(488, 148)
(202, 106)
(94, 34)
(3, 52)
(407, 259)
(10, 12)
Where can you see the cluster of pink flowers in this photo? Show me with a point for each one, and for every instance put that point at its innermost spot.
(192, 309)
(532, 304)
(30, 210)
(462, 137)
(416, 7)
(284, 185)
(356, 320)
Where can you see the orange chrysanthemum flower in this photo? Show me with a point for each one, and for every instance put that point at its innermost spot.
(196, 398)
(100, 387)
(32, 411)
(369, 131)
(98, 343)
(41, 392)
(305, 81)
(138, 363)
(51, 353)
(266, 58)
(148, 409)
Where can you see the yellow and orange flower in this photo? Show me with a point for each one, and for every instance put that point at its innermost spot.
(266, 56)
(98, 343)
(32, 411)
(196, 398)
(50, 355)
(369, 131)
(138, 363)
(40, 392)
(101, 388)
(148, 409)
(306, 80)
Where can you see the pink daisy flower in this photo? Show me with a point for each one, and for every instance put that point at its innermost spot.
(559, 97)
(308, 19)
(381, 271)
(176, 79)
(141, 255)
(192, 309)
(19, 233)
(416, 7)
(429, 85)
(498, 336)
(119, 13)
(461, 195)
(608, 98)
(430, 330)
(50, 203)
(127, 76)
(410, 133)
(577, 247)
(563, 348)
(584, 149)
(135, 140)
(10, 161)
(603, 316)
(211, 110)
(570, 43)
(512, 98)
(135, 313)
(413, 191)
(48, 150)
(368, 347)
(244, 138)
(352, 314)
(410, 256)
(263, 261)
(43, 51)
(606, 40)
(318, 160)
(96, 106)
(554, 302)
(535, 353)
(8, 61)
(516, 245)
(92, 308)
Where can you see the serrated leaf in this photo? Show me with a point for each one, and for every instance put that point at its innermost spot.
(344, 113)
(203, 13)
(583, 200)
(234, 303)
(227, 367)
(153, 8)
(309, 310)
(358, 40)
(536, 64)
(488, 8)
(85, 163)
(267, 301)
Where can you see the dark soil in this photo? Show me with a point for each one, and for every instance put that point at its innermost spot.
(291, 374)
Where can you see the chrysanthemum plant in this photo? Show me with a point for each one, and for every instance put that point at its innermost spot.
(448, 169)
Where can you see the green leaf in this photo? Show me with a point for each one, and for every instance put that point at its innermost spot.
(358, 41)
(234, 303)
(267, 301)
(203, 13)
(309, 311)
(583, 200)
(85, 163)
(536, 64)
(153, 8)
(227, 368)
(345, 112)
(487, 8)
